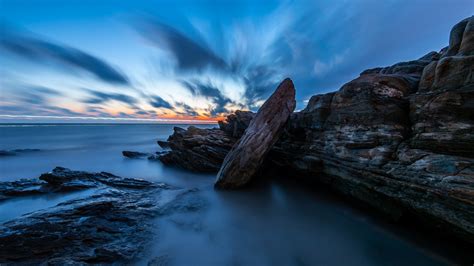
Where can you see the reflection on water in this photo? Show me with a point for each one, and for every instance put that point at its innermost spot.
(274, 223)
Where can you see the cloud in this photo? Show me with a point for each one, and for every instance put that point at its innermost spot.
(210, 92)
(37, 50)
(158, 102)
(98, 97)
(189, 54)
(188, 110)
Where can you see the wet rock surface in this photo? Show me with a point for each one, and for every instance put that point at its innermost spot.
(247, 155)
(399, 138)
(112, 225)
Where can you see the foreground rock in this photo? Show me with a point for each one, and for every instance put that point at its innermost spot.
(111, 225)
(247, 155)
(65, 180)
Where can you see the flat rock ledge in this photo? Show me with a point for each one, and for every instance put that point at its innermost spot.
(247, 155)
(113, 224)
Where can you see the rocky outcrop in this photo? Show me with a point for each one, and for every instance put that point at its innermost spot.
(64, 180)
(399, 138)
(236, 123)
(112, 225)
(247, 155)
(197, 149)
(204, 150)
(135, 154)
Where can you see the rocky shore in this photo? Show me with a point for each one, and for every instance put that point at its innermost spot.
(399, 138)
(112, 224)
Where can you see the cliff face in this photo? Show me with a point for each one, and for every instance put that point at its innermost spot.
(400, 138)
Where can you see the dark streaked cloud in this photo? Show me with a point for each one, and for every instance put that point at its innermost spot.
(188, 110)
(210, 92)
(189, 54)
(158, 102)
(39, 51)
(98, 97)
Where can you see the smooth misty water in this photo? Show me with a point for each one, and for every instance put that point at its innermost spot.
(275, 223)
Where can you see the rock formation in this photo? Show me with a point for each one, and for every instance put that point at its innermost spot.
(110, 226)
(247, 155)
(236, 123)
(135, 154)
(203, 150)
(400, 138)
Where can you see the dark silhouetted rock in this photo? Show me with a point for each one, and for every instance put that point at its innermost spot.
(247, 155)
(163, 144)
(135, 154)
(236, 123)
(203, 150)
(197, 149)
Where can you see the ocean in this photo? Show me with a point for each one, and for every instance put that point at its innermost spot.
(278, 222)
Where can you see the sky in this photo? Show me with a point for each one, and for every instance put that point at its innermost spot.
(196, 61)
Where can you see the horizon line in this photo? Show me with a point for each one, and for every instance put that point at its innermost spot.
(98, 119)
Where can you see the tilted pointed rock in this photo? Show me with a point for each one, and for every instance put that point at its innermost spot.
(247, 155)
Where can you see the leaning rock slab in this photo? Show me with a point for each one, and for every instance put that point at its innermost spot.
(247, 155)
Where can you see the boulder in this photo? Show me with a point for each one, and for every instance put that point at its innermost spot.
(197, 149)
(236, 123)
(247, 155)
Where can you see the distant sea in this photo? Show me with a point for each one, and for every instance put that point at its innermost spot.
(279, 222)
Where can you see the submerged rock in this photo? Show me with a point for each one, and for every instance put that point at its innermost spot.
(247, 155)
(112, 225)
(135, 154)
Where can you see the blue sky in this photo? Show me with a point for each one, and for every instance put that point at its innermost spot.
(157, 60)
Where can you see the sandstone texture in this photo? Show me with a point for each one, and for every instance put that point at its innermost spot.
(247, 155)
